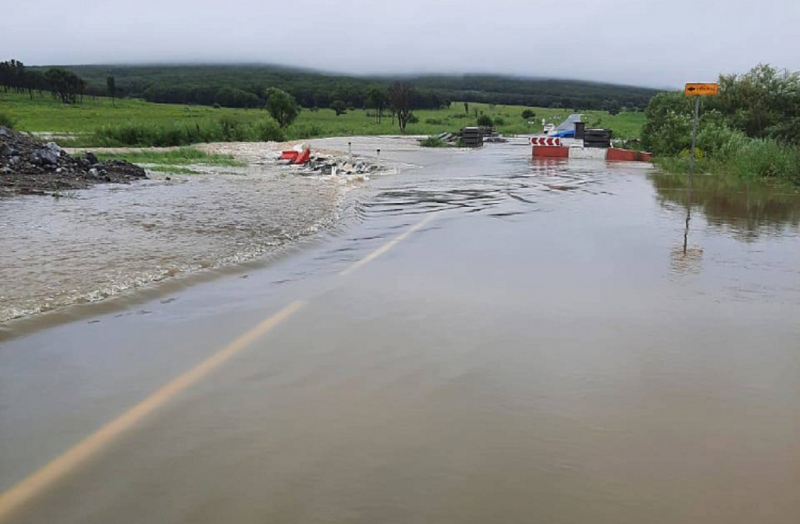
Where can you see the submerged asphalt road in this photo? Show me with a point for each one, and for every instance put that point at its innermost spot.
(484, 339)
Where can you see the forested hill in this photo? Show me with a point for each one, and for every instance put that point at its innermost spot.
(241, 86)
(537, 92)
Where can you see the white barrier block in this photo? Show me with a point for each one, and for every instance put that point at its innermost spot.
(587, 153)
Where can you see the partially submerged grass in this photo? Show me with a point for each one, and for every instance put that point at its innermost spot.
(755, 159)
(58, 194)
(750, 206)
(175, 170)
(178, 157)
(433, 141)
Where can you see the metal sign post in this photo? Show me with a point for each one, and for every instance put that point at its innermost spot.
(694, 134)
(698, 90)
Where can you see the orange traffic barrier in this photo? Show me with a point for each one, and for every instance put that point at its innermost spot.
(627, 155)
(550, 152)
(304, 157)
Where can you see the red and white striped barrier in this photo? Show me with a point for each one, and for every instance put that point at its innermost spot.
(545, 141)
(590, 153)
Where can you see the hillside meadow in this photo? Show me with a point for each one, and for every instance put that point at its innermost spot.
(88, 120)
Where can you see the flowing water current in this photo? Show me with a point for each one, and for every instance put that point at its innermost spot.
(96, 244)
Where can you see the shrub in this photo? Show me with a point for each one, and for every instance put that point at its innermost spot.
(787, 131)
(268, 130)
(306, 131)
(339, 107)
(434, 121)
(717, 140)
(232, 130)
(528, 114)
(433, 141)
(485, 121)
(413, 119)
(499, 121)
(766, 158)
(744, 158)
(673, 135)
(6, 121)
(668, 129)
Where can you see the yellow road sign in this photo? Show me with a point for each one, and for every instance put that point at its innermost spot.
(702, 89)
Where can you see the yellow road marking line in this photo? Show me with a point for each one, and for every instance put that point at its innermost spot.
(27, 489)
(16, 497)
(387, 246)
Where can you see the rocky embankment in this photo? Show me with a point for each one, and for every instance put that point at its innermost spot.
(321, 164)
(31, 168)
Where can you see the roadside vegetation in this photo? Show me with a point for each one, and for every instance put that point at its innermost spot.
(136, 123)
(6, 121)
(433, 141)
(750, 131)
(178, 157)
(174, 170)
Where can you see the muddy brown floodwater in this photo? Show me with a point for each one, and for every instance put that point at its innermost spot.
(98, 243)
(533, 341)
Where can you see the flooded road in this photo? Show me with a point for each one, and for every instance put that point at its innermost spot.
(481, 339)
(99, 243)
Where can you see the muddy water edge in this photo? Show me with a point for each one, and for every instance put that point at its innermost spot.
(84, 247)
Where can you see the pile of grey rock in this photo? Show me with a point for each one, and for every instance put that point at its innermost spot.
(27, 166)
(330, 165)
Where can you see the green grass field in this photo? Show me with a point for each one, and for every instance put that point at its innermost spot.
(183, 156)
(44, 114)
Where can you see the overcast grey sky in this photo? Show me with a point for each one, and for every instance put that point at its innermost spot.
(658, 43)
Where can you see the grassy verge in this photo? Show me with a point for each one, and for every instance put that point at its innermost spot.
(178, 157)
(752, 160)
(433, 141)
(174, 170)
(96, 123)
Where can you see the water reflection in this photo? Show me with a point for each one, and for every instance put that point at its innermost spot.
(746, 210)
(684, 259)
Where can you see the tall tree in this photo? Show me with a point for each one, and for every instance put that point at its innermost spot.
(12, 76)
(760, 101)
(282, 106)
(65, 85)
(36, 82)
(111, 84)
(402, 100)
(378, 99)
(339, 107)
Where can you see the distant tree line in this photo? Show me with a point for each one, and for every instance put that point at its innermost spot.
(63, 84)
(359, 97)
(362, 97)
